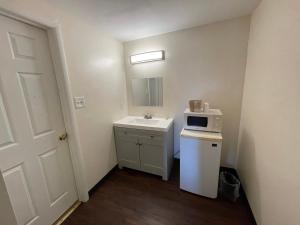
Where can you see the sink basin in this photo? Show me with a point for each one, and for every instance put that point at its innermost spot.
(158, 124)
(145, 121)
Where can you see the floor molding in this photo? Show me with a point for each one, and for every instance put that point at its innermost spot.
(67, 213)
(93, 189)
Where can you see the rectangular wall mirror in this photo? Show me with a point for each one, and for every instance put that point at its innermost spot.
(147, 91)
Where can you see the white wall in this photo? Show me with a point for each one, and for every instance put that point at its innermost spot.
(206, 62)
(269, 149)
(95, 64)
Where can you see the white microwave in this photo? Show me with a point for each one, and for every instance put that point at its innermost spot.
(211, 121)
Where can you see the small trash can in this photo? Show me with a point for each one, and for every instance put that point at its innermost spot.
(229, 186)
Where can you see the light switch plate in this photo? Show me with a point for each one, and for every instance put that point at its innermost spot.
(79, 102)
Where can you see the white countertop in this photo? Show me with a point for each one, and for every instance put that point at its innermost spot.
(138, 122)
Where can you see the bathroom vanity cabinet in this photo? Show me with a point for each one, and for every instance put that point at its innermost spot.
(145, 150)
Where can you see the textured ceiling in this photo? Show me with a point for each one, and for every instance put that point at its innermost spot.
(133, 19)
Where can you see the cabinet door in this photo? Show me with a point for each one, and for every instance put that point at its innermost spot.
(128, 150)
(151, 158)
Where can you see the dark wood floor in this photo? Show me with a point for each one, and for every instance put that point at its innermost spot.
(128, 197)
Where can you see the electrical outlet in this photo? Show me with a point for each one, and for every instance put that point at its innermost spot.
(79, 102)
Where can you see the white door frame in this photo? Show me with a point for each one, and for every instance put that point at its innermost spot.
(55, 37)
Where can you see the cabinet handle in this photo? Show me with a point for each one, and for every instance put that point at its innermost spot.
(151, 136)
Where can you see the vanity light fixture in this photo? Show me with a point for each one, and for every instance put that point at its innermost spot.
(147, 57)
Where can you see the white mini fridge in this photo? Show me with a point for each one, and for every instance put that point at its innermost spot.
(200, 154)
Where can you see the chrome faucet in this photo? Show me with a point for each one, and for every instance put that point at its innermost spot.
(148, 116)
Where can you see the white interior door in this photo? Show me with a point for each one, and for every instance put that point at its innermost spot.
(36, 166)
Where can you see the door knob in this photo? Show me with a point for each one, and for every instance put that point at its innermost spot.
(63, 137)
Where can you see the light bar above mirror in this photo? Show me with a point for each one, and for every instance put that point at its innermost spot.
(147, 57)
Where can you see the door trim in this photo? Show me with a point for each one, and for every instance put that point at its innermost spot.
(57, 51)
